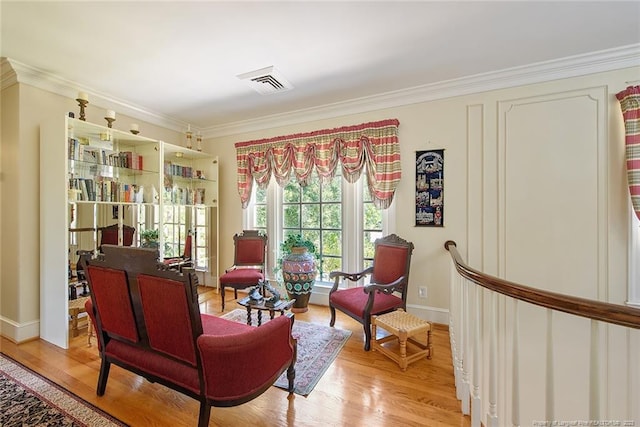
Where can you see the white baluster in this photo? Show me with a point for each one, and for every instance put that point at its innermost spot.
(466, 362)
(594, 372)
(549, 376)
(515, 380)
(492, 416)
(476, 402)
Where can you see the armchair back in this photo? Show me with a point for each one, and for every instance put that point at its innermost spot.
(148, 321)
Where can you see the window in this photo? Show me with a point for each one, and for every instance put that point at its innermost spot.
(174, 230)
(315, 212)
(178, 221)
(201, 229)
(372, 229)
(338, 217)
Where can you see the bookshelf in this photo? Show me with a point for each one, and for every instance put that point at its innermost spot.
(91, 177)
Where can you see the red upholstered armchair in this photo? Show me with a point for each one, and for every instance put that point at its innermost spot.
(148, 321)
(248, 263)
(386, 291)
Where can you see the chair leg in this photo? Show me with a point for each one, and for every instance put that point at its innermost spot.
(205, 413)
(222, 295)
(291, 376)
(367, 334)
(333, 315)
(103, 377)
(235, 293)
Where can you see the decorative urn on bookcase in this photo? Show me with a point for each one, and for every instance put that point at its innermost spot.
(298, 270)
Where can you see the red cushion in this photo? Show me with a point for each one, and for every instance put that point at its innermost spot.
(390, 263)
(238, 365)
(110, 294)
(250, 251)
(213, 325)
(155, 364)
(354, 300)
(242, 276)
(166, 316)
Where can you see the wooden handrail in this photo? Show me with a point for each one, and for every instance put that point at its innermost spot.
(606, 312)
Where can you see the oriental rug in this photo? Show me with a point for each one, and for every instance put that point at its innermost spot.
(28, 399)
(318, 346)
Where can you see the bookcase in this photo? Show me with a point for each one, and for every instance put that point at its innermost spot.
(97, 184)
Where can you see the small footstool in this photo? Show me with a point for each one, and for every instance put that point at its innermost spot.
(403, 326)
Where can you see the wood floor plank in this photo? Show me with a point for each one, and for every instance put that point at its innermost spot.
(359, 389)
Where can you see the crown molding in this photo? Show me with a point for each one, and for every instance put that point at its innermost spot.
(17, 72)
(573, 66)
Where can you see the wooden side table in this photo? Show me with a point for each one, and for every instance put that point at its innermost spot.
(280, 306)
(76, 306)
(403, 326)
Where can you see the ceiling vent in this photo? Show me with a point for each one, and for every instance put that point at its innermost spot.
(266, 80)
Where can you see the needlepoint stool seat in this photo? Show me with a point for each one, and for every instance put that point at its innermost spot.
(403, 326)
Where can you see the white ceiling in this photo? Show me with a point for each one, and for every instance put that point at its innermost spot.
(180, 60)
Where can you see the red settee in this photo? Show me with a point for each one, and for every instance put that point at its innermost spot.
(148, 321)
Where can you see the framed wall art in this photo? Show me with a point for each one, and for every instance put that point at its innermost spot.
(430, 188)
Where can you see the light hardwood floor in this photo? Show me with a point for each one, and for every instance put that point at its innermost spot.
(359, 388)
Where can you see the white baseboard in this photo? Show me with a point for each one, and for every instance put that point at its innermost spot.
(17, 332)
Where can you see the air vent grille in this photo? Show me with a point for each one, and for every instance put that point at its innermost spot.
(266, 81)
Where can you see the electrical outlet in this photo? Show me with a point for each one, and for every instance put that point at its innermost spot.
(422, 291)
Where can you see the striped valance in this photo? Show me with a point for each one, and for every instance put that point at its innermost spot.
(374, 145)
(630, 105)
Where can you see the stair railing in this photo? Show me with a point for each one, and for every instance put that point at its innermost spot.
(516, 364)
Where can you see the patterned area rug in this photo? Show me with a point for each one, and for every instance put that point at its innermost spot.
(27, 399)
(318, 346)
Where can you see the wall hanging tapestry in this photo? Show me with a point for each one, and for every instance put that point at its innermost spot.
(374, 145)
(430, 188)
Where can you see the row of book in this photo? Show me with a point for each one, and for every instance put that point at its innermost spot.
(173, 169)
(86, 153)
(104, 190)
(184, 196)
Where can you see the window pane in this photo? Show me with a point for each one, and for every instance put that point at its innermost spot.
(332, 216)
(311, 216)
(368, 243)
(332, 243)
(372, 217)
(291, 193)
(201, 254)
(261, 216)
(201, 236)
(332, 191)
(314, 236)
(291, 216)
(261, 196)
(329, 264)
(311, 193)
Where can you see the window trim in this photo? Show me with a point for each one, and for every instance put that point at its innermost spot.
(352, 255)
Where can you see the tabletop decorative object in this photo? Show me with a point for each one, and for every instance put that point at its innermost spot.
(83, 101)
(110, 118)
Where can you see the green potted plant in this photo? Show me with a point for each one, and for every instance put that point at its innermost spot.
(149, 238)
(297, 268)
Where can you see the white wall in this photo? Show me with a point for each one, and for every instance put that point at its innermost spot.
(24, 108)
(479, 158)
(507, 215)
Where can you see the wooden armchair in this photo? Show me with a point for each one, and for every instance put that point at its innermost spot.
(148, 321)
(248, 263)
(387, 290)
